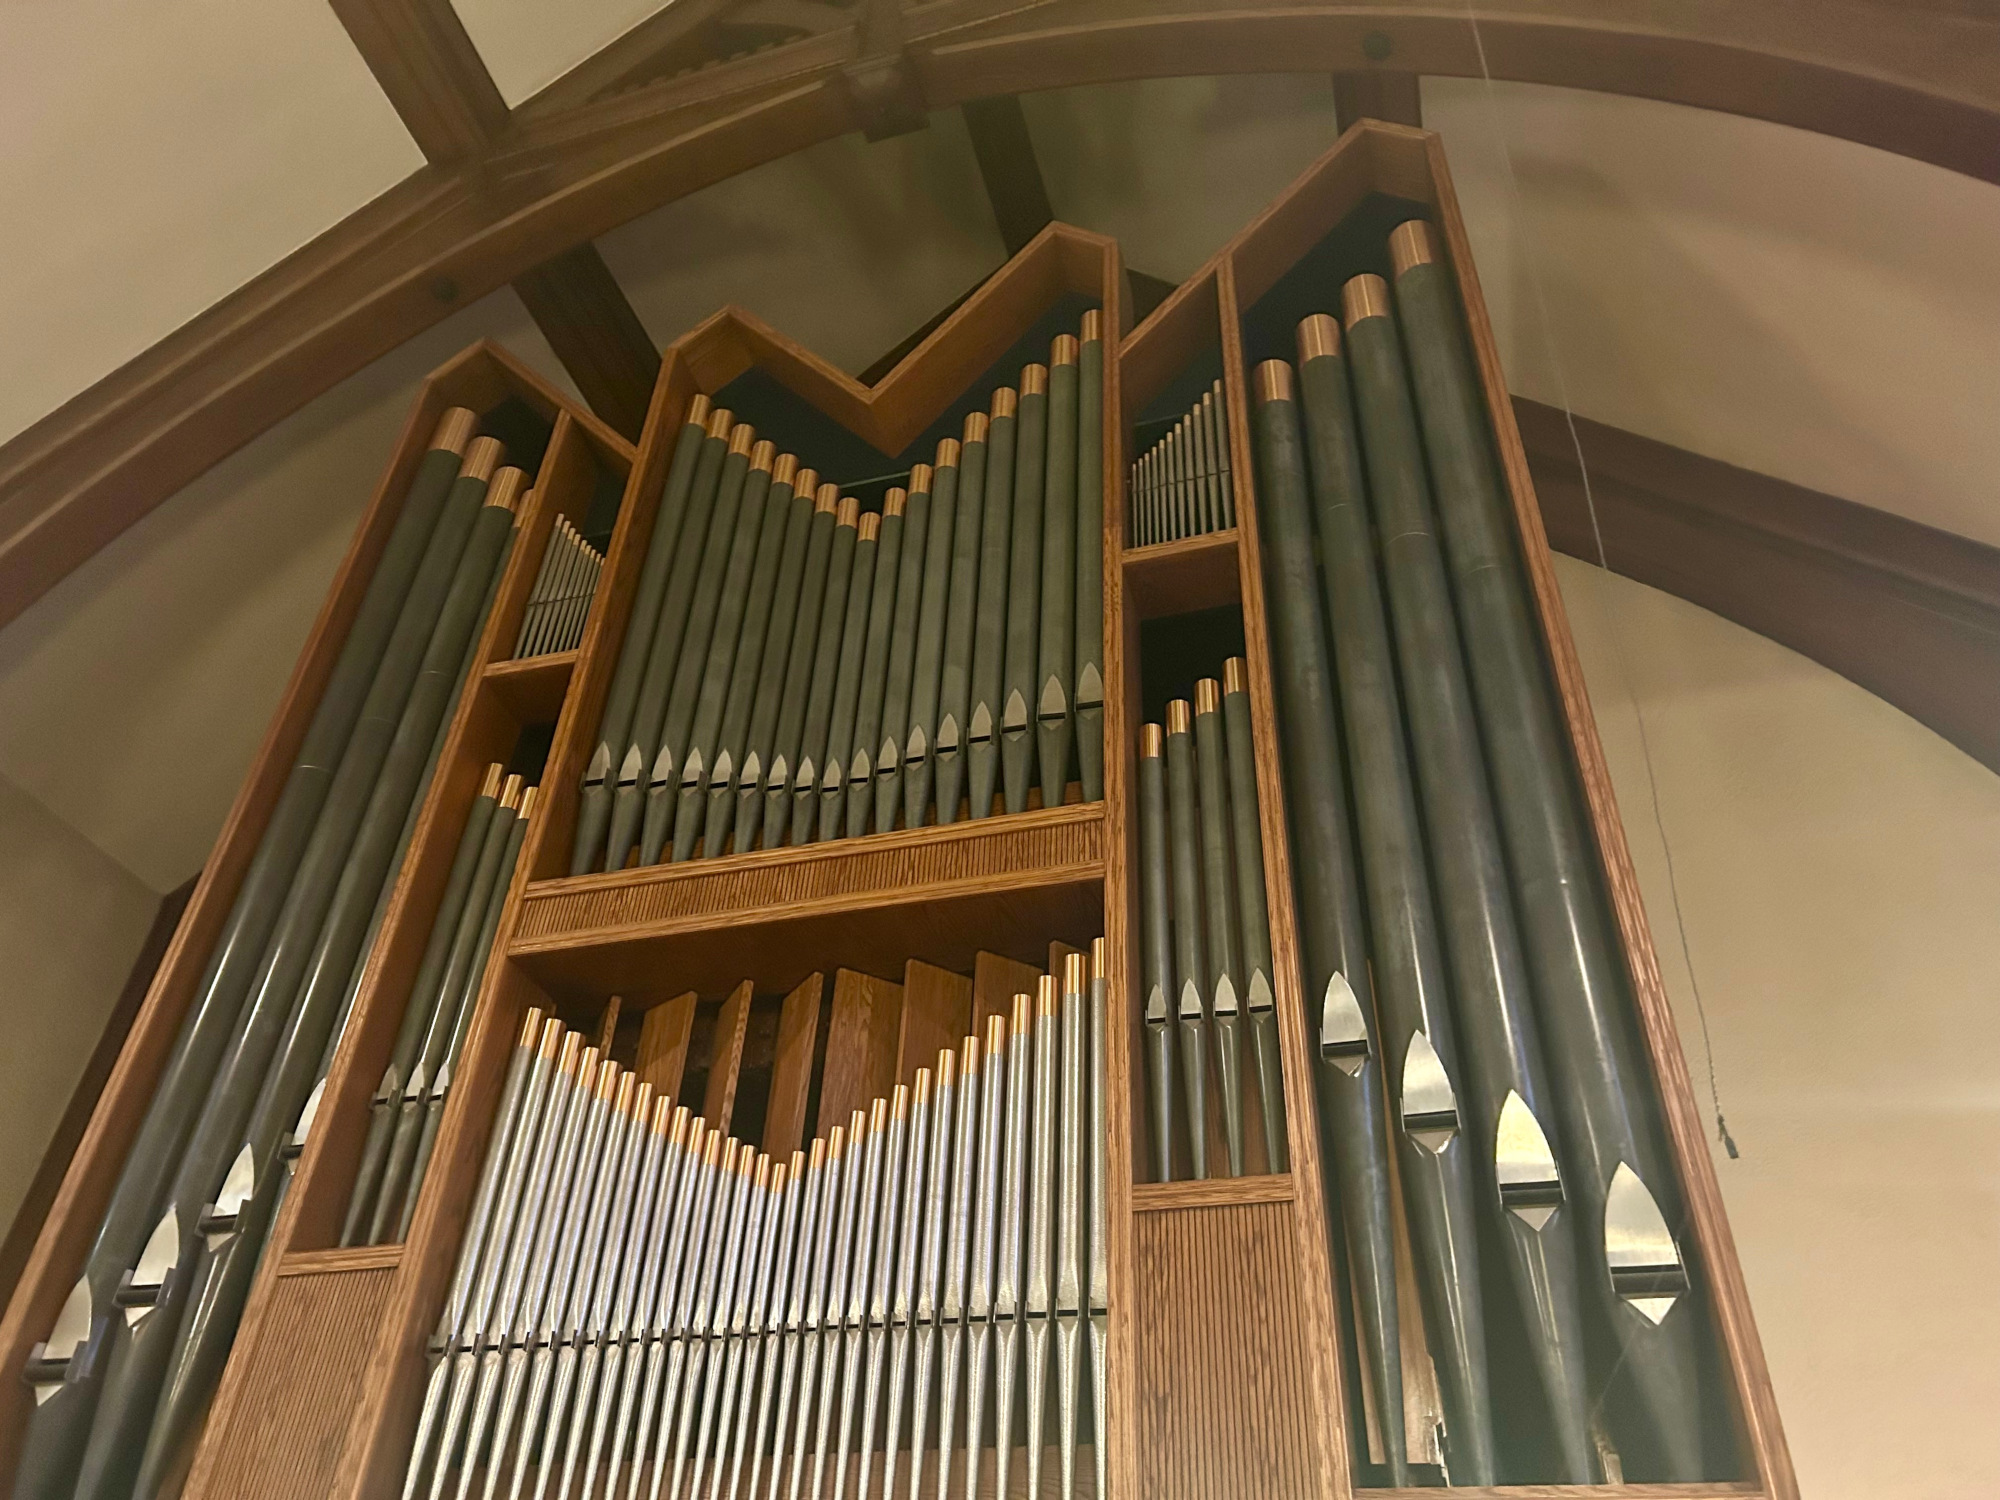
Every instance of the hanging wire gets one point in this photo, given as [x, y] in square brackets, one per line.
[1523, 235]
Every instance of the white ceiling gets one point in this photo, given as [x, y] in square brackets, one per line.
[529, 44]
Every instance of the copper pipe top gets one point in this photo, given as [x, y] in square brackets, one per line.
[1233, 679]
[552, 1037]
[1047, 996]
[806, 482]
[1099, 958]
[798, 1165]
[996, 1033]
[699, 406]
[848, 512]
[697, 1133]
[572, 1052]
[720, 421]
[1274, 381]
[769, 1177]
[1023, 1019]
[1319, 336]
[1005, 400]
[1034, 380]
[713, 1155]
[948, 450]
[857, 1127]
[923, 476]
[920, 1091]
[828, 498]
[528, 795]
[1075, 975]
[763, 456]
[482, 457]
[504, 489]
[1092, 329]
[871, 524]
[892, 503]
[899, 1102]
[1152, 741]
[490, 786]
[530, 1024]
[947, 1067]
[785, 468]
[742, 437]
[607, 1079]
[626, 1082]
[1177, 716]
[510, 793]
[454, 430]
[678, 1128]
[1207, 696]
[1063, 350]
[975, 428]
[836, 1143]
[968, 1058]
[1366, 296]
[816, 1157]
[1410, 245]
[663, 1115]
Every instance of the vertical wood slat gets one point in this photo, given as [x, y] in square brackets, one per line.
[995, 983]
[791, 1069]
[860, 1046]
[937, 1010]
[664, 1032]
[731, 1027]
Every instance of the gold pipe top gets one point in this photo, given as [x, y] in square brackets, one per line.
[699, 406]
[1047, 995]
[1233, 679]
[530, 1024]
[712, 1157]
[923, 476]
[642, 1102]
[1152, 740]
[1063, 350]
[1274, 381]
[948, 450]
[1075, 973]
[785, 468]
[806, 482]
[827, 498]
[1319, 335]
[698, 1133]
[871, 525]
[571, 1054]
[817, 1158]
[663, 1115]
[770, 1177]
[847, 512]
[1034, 380]
[836, 1143]
[1365, 296]
[763, 456]
[454, 430]
[678, 1129]
[742, 438]
[607, 1077]
[552, 1037]
[899, 1103]
[482, 457]
[1100, 958]
[720, 421]
[1207, 696]
[510, 793]
[1005, 400]
[892, 503]
[626, 1083]
[947, 1067]
[975, 427]
[504, 489]
[1092, 329]
[857, 1127]
[527, 806]
[996, 1033]
[490, 786]
[968, 1058]
[920, 1092]
[1177, 716]
[798, 1165]
[1411, 245]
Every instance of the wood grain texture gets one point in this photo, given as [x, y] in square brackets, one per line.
[1708, 1491]
[937, 1013]
[860, 1046]
[420, 54]
[590, 324]
[1224, 1399]
[791, 1070]
[534, 686]
[726, 1063]
[1377, 94]
[995, 983]
[664, 1032]
[1180, 577]
[1212, 1192]
[301, 1372]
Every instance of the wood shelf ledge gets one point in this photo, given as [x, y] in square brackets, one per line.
[1212, 1192]
[335, 1262]
[1177, 578]
[534, 686]
[1714, 1489]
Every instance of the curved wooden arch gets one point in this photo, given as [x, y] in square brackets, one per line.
[1916, 77]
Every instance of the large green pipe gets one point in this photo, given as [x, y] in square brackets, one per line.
[1260, 999]
[823, 676]
[630, 763]
[593, 815]
[781, 550]
[1610, 1113]
[61, 1418]
[306, 964]
[1513, 1106]
[1156, 950]
[795, 613]
[954, 608]
[1055, 691]
[1191, 1010]
[776, 819]
[856, 622]
[883, 606]
[901, 673]
[1425, 1078]
[1090, 557]
[1024, 597]
[751, 548]
[724, 549]
[1219, 914]
[968, 753]
[1348, 1066]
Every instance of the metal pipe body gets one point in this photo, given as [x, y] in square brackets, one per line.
[1024, 595]
[1054, 678]
[1156, 953]
[1090, 557]
[940, 698]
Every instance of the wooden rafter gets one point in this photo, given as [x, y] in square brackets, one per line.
[577, 161]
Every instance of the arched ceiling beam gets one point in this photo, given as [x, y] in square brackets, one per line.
[1908, 76]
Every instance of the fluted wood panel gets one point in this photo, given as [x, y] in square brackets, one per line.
[1222, 1381]
[299, 1377]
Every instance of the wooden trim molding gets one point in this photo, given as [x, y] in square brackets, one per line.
[1906, 611]
[604, 145]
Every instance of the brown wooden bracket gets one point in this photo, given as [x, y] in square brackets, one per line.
[1008, 166]
[1377, 94]
[584, 314]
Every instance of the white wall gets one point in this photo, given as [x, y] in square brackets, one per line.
[1838, 870]
[71, 924]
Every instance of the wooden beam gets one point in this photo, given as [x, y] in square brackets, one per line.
[1377, 94]
[1007, 165]
[420, 54]
[1920, 82]
[585, 316]
[1906, 611]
